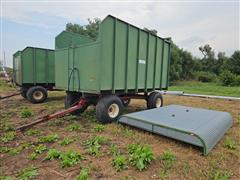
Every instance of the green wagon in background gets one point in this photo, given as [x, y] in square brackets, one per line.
[124, 62]
[33, 71]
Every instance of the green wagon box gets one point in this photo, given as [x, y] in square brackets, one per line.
[34, 72]
[122, 63]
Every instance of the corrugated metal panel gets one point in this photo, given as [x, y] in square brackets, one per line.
[123, 58]
[34, 66]
[196, 126]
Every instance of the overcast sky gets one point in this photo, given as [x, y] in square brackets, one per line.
[189, 23]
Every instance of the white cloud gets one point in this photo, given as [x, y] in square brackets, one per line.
[189, 24]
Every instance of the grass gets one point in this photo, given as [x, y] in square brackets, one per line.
[168, 158]
[8, 136]
[196, 87]
[26, 113]
[84, 174]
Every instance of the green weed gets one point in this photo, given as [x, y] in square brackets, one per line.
[99, 128]
[66, 141]
[93, 145]
[230, 144]
[33, 156]
[70, 158]
[26, 113]
[222, 175]
[71, 118]
[114, 150]
[140, 156]
[119, 162]
[168, 158]
[28, 173]
[15, 151]
[84, 174]
[6, 178]
[49, 138]
[53, 154]
[4, 149]
[8, 136]
[40, 148]
[74, 127]
[32, 132]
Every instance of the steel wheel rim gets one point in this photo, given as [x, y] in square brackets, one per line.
[37, 95]
[113, 110]
[158, 102]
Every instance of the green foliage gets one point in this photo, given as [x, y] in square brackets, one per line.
[28, 173]
[119, 162]
[93, 145]
[8, 136]
[71, 118]
[168, 159]
[205, 76]
[6, 178]
[91, 29]
[222, 175]
[84, 174]
[15, 151]
[33, 156]
[40, 148]
[26, 113]
[140, 156]
[70, 158]
[227, 78]
[49, 138]
[66, 141]
[32, 132]
[53, 154]
[230, 144]
[4, 149]
[99, 128]
[74, 127]
[114, 150]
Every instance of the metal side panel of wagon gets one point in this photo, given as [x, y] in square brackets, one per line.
[34, 72]
[122, 63]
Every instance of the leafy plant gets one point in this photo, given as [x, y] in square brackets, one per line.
[114, 150]
[49, 138]
[222, 175]
[15, 151]
[40, 148]
[53, 154]
[4, 149]
[66, 141]
[8, 136]
[230, 144]
[84, 174]
[168, 158]
[98, 128]
[28, 173]
[70, 158]
[140, 156]
[71, 118]
[33, 156]
[6, 178]
[26, 113]
[93, 145]
[119, 162]
[74, 127]
[31, 132]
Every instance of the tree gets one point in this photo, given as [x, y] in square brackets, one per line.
[233, 63]
[91, 29]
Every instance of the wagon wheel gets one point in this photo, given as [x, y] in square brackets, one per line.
[155, 100]
[37, 94]
[109, 108]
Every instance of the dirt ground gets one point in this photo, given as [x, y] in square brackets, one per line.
[189, 164]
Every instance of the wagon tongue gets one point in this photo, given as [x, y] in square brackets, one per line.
[10, 95]
[53, 116]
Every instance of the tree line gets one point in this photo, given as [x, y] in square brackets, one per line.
[183, 65]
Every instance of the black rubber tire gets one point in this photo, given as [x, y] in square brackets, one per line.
[72, 99]
[31, 91]
[24, 92]
[103, 106]
[126, 102]
[152, 100]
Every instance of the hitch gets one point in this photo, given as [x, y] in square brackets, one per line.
[53, 116]
[10, 95]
